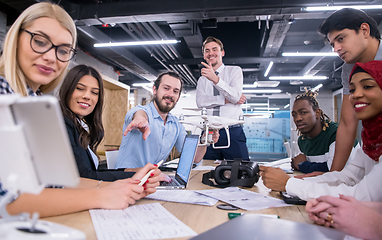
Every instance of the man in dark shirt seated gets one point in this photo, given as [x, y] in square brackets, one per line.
[317, 135]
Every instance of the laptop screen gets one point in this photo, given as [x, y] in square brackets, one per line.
[187, 157]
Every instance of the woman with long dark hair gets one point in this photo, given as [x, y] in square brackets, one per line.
[81, 99]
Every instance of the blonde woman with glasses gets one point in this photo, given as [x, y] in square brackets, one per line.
[37, 49]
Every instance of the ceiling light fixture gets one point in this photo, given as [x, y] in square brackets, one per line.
[334, 8]
[250, 69]
[135, 43]
[309, 54]
[261, 84]
[268, 69]
[317, 87]
[146, 86]
[254, 85]
[143, 84]
[298, 77]
[295, 82]
[262, 91]
[148, 76]
[286, 106]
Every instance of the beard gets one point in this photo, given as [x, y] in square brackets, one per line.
[164, 107]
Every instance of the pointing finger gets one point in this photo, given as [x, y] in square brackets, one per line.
[205, 64]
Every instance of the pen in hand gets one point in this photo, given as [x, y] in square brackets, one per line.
[144, 179]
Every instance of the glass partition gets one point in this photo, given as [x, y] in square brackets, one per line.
[267, 127]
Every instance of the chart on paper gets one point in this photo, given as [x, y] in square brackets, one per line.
[148, 221]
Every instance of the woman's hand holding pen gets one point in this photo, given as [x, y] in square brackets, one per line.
[153, 179]
[119, 194]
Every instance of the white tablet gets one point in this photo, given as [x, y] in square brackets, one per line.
[47, 139]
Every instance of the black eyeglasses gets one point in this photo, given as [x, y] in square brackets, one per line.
[41, 44]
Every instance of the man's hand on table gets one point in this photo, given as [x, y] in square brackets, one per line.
[274, 178]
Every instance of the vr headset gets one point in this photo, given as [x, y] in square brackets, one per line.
[236, 172]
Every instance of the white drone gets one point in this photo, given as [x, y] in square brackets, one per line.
[208, 124]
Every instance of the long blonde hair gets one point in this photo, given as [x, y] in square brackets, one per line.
[9, 66]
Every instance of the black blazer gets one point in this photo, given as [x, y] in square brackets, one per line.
[85, 162]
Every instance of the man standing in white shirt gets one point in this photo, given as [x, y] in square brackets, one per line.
[219, 90]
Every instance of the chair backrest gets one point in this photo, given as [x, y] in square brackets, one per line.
[287, 148]
[111, 158]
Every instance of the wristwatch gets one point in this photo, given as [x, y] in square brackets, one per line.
[300, 163]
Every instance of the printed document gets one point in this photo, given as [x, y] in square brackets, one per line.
[183, 196]
[244, 199]
[284, 164]
[147, 221]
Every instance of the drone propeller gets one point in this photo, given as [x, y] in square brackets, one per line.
[192, 109]
[191, 115]
[197, 109]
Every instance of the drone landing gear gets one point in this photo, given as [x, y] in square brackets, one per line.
[207, 140]
[228, 140]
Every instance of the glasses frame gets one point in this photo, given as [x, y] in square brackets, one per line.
[53, 46]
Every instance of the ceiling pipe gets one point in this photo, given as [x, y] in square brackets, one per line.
[145, 34]
[156, 58]
[162, 35]
[99, 36]
[183, 73]
[181, 70]
[150, 51]
[134, 28]
[187, 69]
[186, 74]
[148, 30]
[156, 37]
[166, 54]
[131, 33]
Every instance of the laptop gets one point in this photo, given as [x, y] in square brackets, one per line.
[252, 226]
[180, 180]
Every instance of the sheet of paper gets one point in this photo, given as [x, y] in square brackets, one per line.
[244, 199]
[171, 164]
[148, 221]
[278, 162]
[284, 164]
[183, 196]
[204, 168]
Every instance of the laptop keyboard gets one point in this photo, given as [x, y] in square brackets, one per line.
[172, 183]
